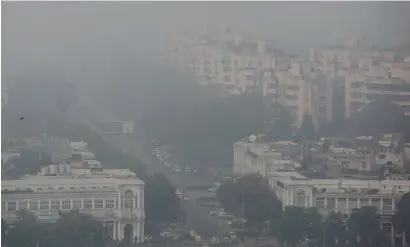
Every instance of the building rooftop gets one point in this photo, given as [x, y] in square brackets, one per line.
[77, 179]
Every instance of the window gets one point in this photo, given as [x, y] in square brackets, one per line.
[33, 205]
[66, 204]
[44, 205]
[129, 199]
[387, 205]
[23, 204]
[320, 203]
[55, 204]
[11, 205]
[109, 203]
[98, 203]
[77, 204]
[88, 204]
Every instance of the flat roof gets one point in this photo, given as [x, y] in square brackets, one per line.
[56, 181]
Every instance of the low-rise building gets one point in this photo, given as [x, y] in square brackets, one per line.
[339, 195]
[264, 157]
[112, 196]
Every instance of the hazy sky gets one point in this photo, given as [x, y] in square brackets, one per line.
[92, 33]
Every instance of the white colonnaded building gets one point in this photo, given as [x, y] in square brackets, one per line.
[112, 196]
[341, 195]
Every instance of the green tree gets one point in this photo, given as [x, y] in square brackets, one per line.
[3, 230]
[306, 133]
[334, 230]
[314, 226]
[251, 198]
[363, 225]
[26, 231]
[402, 217]
[291, 227]
[73, 229]
[30, 161]
[159, 192]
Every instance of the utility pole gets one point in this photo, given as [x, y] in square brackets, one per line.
[324, 228]
[242, 203]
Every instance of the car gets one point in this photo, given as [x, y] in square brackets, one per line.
[165, 234]
[212, 189]
[187, 169]
[148, 239]
[232, 235]
[215, 240]
[180, 196]
[176, 169]
[186, 198]
[212, 213]
[194, 170]
[225, 215]
[178, 192]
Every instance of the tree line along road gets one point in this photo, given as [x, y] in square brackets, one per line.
[197, 217]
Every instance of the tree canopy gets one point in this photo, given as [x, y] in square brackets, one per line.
[363, 224]
[71, 229]
[159, 192]
[402, 217]
[250, 198]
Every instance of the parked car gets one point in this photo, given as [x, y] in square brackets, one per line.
[166, 234]
[212, 213]
[186, 198]
[225, 215]
[215, 240]
[176, 169]
[187, 169]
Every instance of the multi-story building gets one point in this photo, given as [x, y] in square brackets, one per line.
[362, 89]
[112, 196]
[264, 157]
[340, 195]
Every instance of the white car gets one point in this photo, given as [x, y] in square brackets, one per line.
[176, 169]
[212, 213]
[225, 215]
[186, 198]
[166, 234]
[232, 235]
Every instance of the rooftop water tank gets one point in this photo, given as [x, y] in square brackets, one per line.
[62, 168]
[53, 169]
[68, 168]
[44, 170]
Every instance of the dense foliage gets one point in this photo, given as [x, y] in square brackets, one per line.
[30, 161]
[402, 217]
[71, 229]
[159, 192]
[249, 197]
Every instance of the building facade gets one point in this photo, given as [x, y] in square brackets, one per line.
[262, 158]
[112, 196]
[340, 195]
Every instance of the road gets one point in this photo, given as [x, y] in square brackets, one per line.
[197, 217]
